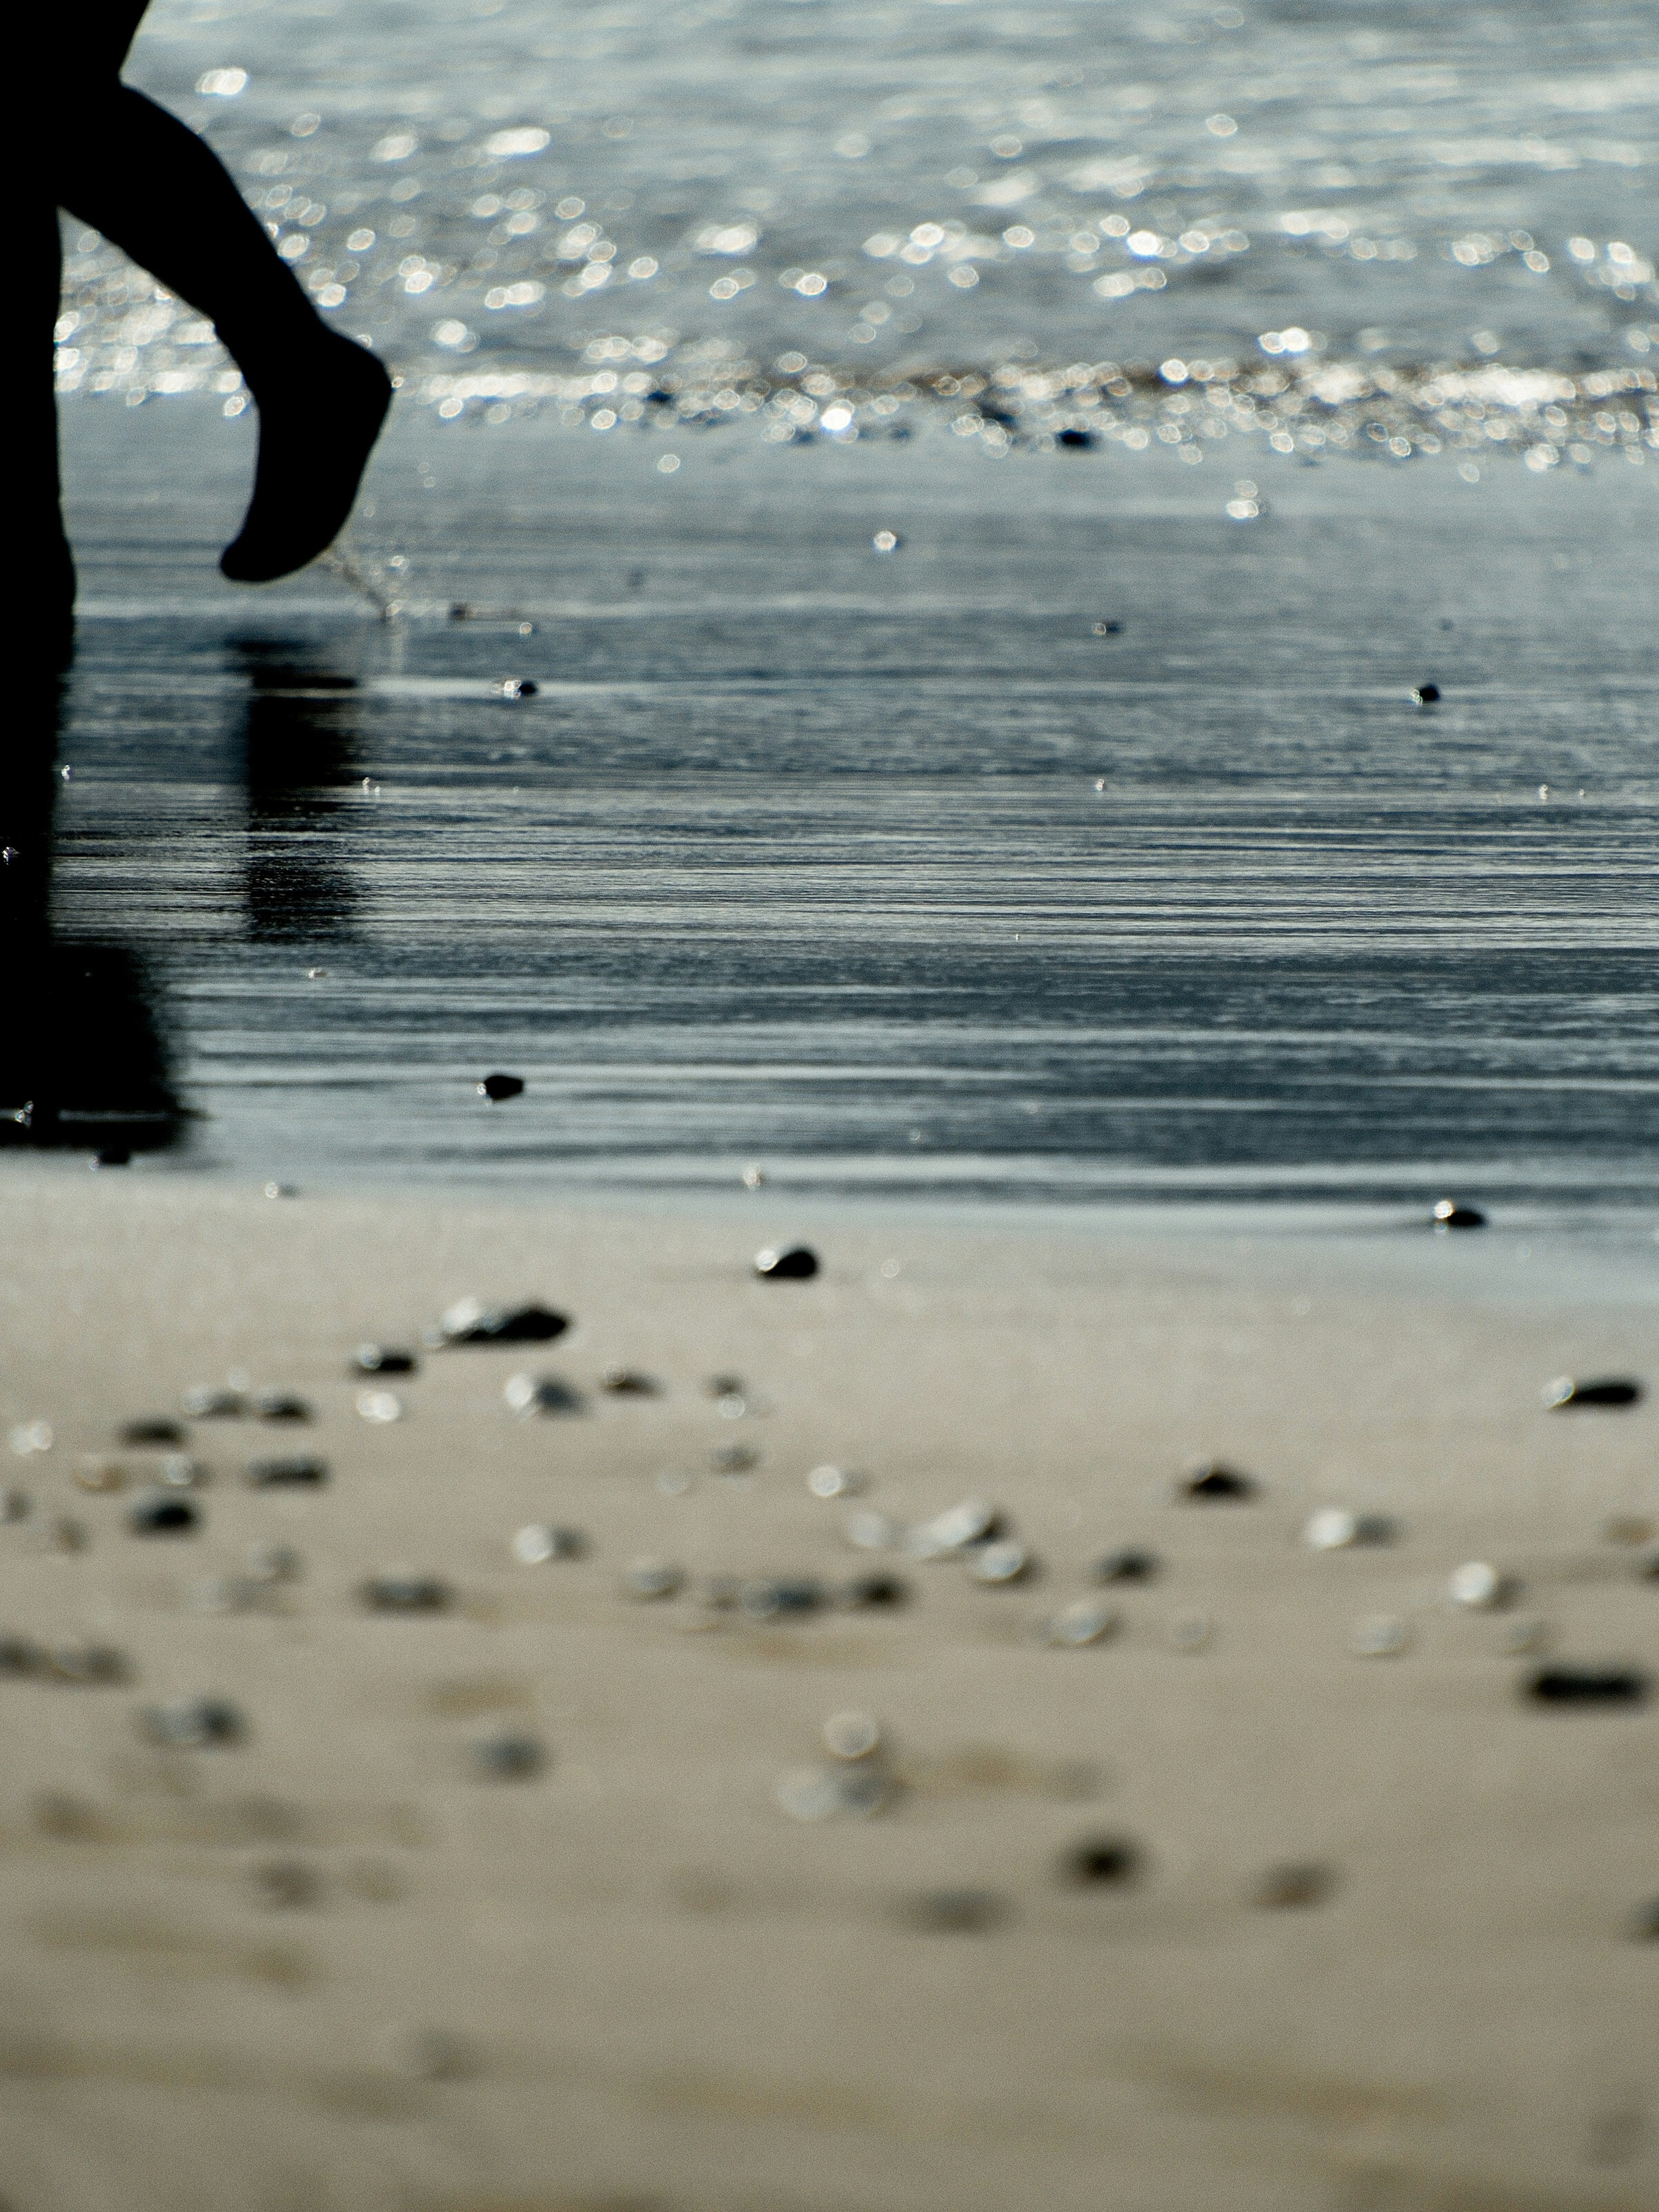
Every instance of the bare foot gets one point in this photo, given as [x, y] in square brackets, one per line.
[315, 438]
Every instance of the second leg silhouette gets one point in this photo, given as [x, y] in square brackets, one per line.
[156, 191]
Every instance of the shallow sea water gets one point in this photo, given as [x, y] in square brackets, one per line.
[901, 873]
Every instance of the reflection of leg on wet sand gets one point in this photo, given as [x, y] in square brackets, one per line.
[300, 740]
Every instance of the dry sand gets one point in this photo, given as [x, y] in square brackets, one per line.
[633, 1980]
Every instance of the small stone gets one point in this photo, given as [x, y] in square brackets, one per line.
[163, 1516]
[1566, 1392]
[873, 1532]
[1332, 1528]
[973, 1522]
[62, 1533]
[733, 1459]
[150, 1431]
[400, 1590]
[1587, 1685]
[379, 1406]
[178, 1471]
[774, 1597]
[786, 1263]
[732, 1408]
[531, 1394]
[628, 1382]
[516, 687]
[498, 1087]
[1080, 441]
[1209, 1483]
[102, 1476]
[999, 1564]
[654, 1578]
[816, 1793]
[1100, 1861]
[30, 1436]
[753, 1178]
[1087, 1620]
[1108, 628]
[20, 1659]
[1190, 1632]
[299, 1472]
[227, 1594]
[112, 1156]
[192, 1723]
[1290, 1886]
[723, 1386]
[88, 1665]
[281, 1190]
[1426, 694]
[957, 1911]
[835, 1482]
[212, 1401]
[1628, 1528]
[1448, 1214]
[280, 1406]
[383, 1359]
[471, 1321]
[1378, 1636]
[285, 1885]
[541, 1541]
[1476, 1584]
[509, 1758]
[1129, 1565]
[871, 1593]
[15, 1504]
[852, 1734]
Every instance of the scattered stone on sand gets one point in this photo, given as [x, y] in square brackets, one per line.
[280, 1406]
[161, 1515]
[509, 1758]
[1629, 1529]
[1566, 1392]
[541, 1541]
[228, 1593]
[1131, 1565]
[950, 1534]
[469, 1321]
[628, 1382]
[101, 1476]
[1081, 441]
[62, 1532]
[298, 1472]
[1332, 1528]
[15, 1504]
[1108, 628]
[88, 1665]
[1448, 1214]
[786, 1263]
[30, 1436]
[192, 1723]
[215, 1401]
[1293, 1884]
[1100, 1861]
[869, 1531]
[1587, 1685]
[150, 1431]
[779, 1597]
[1477, 1585]
[499, 1086]
[653, 1578]
[1378, 1636]
[531, 1394]
[957, 1911]
[1085, 1621]
[274, 1563]
[516, 687]
[733, 1459]
[836, 1482]
[1426, 694]
[285, 1885]
[178, 1471]
[723, 1385]
[753, 1178]
[1209, 1483]
[1648, 1571]
[852, 1734]
[20, 1659]
[1190, 1632]
[378, 1407]
[383, 1359]
[826, 1793]
[399, 1590]
[999, 1563]
[871, 1593]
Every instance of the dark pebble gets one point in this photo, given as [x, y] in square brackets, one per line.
[1645, 1922]
[1608, 1391]
[472, 1322]
[1648, 1570]
[509, 1758]
[280, 1406]
[501, 1086]
[723, 1386]
[1128, 1566]
[19, 1658]
[405, 1592]
[88, 1665]
[1426, 694]
[382, 1359]
[957, 1911]
[868, 1593]
[1587, 1685]
[769, 1598]
[628, 1382]
[786, 1263]
[516, 687]
[1101, 1860]
[1284, 1885]
[112, 1156]
[138, 1434]
[163, 1517]
[1217, 1485]
[1108, 628]
[1081, 441]
[299, 1472]
[531, 1394]
[1448, 1214]
[209, 1403]
[286, 1885]
[197, 1723]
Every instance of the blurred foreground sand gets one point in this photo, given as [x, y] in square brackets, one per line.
[633, 1983]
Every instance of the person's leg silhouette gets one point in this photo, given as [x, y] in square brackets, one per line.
[156, 190]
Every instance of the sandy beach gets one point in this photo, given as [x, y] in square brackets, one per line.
[556, 1897]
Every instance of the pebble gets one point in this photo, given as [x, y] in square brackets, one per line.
[31, 1437]
[654, 1578]
[817, 1793]
[999, 1563]
[1628, 1528]
[1589, 1685]
[158, 1430]
[498, 1087]
[1130, 1565]
[112, 1155]
[530, 1395]
[836, 1482]
[852, 1734]
[285, 1885]
[299, 1472]
[88, 1665]
[1426, 694]
[973, 1522]
[541, 1541]
[1645, 1922]
[399, 1590]
[1448, 1214]
[723, 1386]
[192, 1723]
[1476, 1584]
[62, 1533]
[280, 1406]
[1334, 1529]
[383, 1359]
[379, 1406]
[772, 1598]
[870, 1531]
[1100, 1860]
[1378, 1636]
[1283, 1885]
[786, 1263]
[103, 1476]
[628, 1382]
[1189, 1632]
[213, 1401]
[1080, 441]
[867, 1593]
[1108, 628]
[15, 1504]
[178, 1471]
[471, 1321]
[1565, 1391]
[1085, 1621]
[516, 687]
[509, 1758]
[20, 1659]
[733, 1459]
[1212, 1484]
[161, 1515]
[957, 1911]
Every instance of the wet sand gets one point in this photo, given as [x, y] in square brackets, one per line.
[334, 1964]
